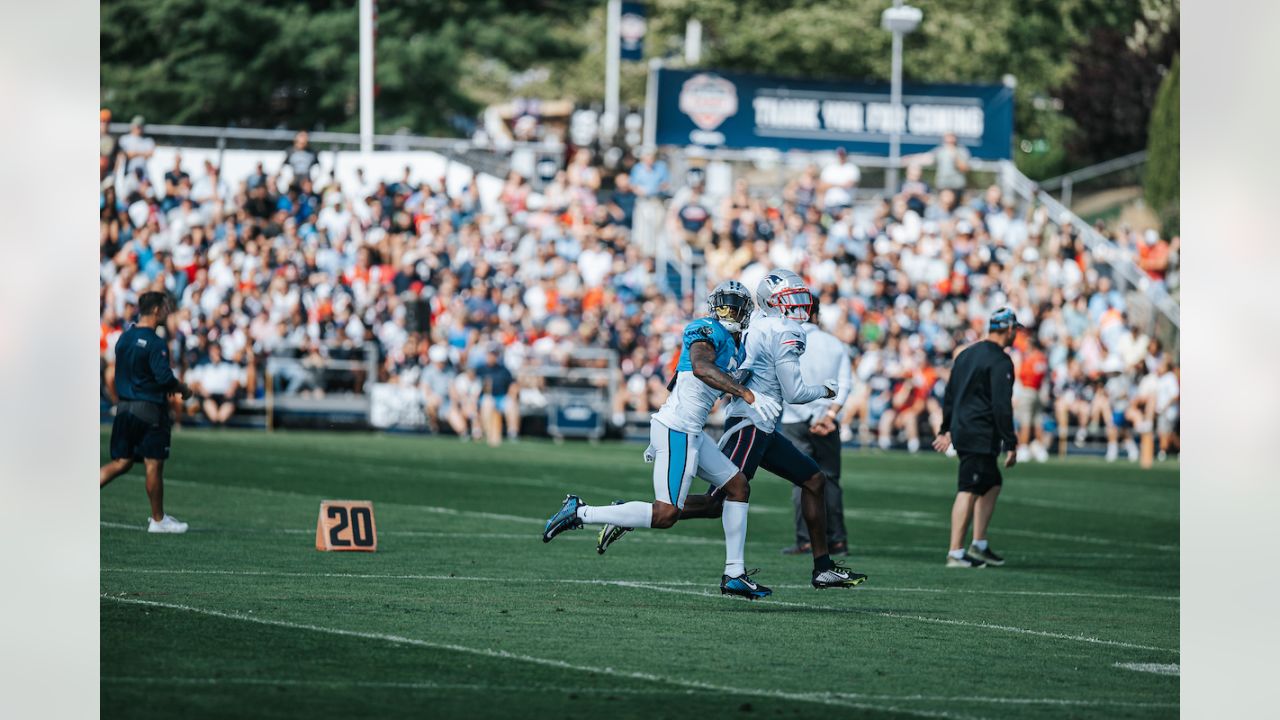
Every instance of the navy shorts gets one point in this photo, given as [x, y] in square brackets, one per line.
[136, 439]
[979, 473]
[750, 448]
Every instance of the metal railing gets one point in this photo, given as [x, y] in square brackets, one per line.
[1126, 271]
[1065, 183]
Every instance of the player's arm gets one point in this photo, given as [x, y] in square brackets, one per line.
[844, 386]
[168, 382]
[702, 356]
[1002, 400]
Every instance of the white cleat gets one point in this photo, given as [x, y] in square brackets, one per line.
[169, 524]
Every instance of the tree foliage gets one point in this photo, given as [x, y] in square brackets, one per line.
[278, 62]
[1163, 153]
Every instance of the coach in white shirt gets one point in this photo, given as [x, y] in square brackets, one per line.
[815, 430]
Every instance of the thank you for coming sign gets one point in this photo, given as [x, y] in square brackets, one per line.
[731, 110]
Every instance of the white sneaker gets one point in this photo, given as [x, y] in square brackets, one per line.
[846, 434]
[1039, 453]
[1081, 436]
[169, 524]
[1023, 455]
[1131, 449]
[1162, 456]
[1113, 452]
[913, 445]
[885, 443]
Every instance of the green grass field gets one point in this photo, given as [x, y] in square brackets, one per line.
[464, 612]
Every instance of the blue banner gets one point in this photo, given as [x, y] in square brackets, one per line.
[731, 110]
[631, 31]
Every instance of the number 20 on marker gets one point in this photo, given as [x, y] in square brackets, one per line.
[346, 525]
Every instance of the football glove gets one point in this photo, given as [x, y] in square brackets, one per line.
[766, 407]
[650, 454]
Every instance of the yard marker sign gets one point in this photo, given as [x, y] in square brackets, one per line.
[346, 525]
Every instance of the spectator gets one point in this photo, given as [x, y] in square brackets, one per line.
[951, 161]
[649, 177]
[497, 399]
[137, 149]
[1153, 255]
[301, 158]
[216, 384]
[839, 183]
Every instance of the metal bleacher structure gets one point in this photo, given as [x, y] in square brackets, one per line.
[576, 400]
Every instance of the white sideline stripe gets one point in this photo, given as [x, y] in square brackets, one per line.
[645, 585]
[1157, 668]
[911, 518]
[427, 685]
[662, 583]
[820, 698]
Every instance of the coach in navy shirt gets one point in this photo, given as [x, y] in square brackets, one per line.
[144, 381]
[977, 418]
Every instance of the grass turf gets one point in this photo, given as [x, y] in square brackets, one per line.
[464, 612]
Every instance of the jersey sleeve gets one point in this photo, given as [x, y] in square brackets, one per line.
[791, 343]
[700, 331]
[159, 361]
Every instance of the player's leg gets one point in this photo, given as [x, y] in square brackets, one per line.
[798, 434]
[826, 452]
[969, 485]
[155, 450]
[731, 484]
[671, 474]
[887, 419]
[113, 470]
[983, 508]
[783, 459]
[961, 512]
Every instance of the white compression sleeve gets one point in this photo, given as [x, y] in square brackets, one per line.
[633, 514]
[734, 519]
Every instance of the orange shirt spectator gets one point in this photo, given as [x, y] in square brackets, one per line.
[1034, 369]
[1153, 255]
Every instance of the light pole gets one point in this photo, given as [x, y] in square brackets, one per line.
[900, 20]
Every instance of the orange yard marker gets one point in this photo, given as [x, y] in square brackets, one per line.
[346, 525]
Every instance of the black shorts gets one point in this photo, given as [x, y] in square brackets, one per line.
[979, 473]
[136, 439]
[750, 448]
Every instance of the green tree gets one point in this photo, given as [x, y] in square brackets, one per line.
[1163, 154]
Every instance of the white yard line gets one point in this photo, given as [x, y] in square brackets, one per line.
[643, 585]
[481, 687]
[925, 619]
[662, 583]
[819, 698]
[1157, 668]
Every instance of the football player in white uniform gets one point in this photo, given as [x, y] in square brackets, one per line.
[679, 449]
[751, 440]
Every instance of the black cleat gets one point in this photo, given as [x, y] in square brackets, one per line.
[837, 577]
[743, 586]
[987, 556]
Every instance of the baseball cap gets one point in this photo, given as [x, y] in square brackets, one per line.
[1003, 319]
[137, 120]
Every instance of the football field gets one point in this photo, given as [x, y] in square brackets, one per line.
[464, 612]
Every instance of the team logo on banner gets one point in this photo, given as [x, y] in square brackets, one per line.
[708, 100]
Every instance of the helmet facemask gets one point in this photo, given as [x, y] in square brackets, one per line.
[793, 303]
[731, 309]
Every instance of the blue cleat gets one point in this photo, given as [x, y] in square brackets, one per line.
[566, 518]
[743, 586]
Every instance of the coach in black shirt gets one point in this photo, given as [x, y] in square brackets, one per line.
[144, 381]
[977, 418]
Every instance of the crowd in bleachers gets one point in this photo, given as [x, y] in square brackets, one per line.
[289, 262]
